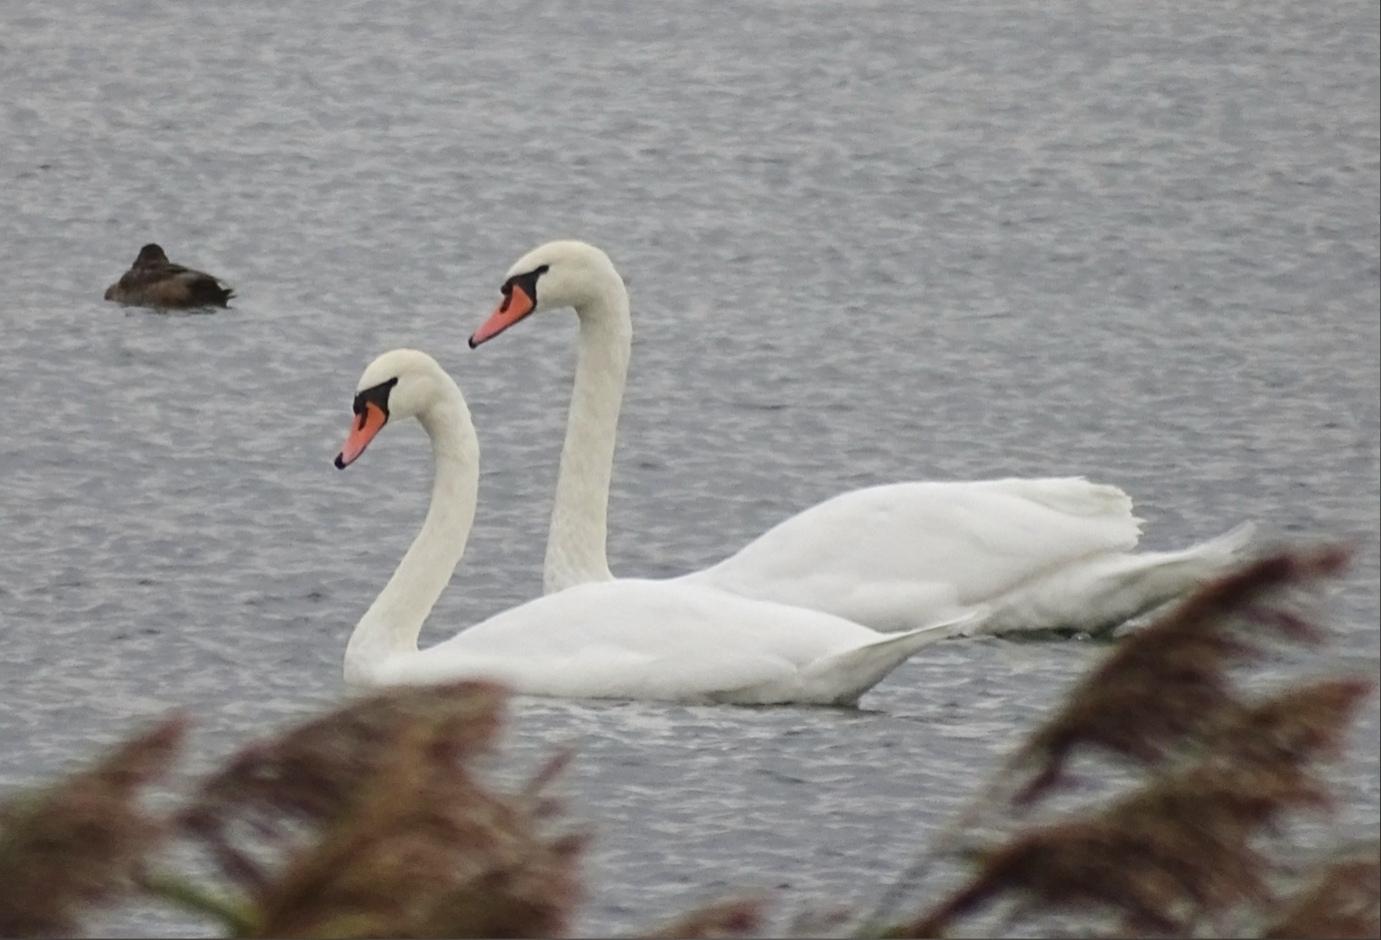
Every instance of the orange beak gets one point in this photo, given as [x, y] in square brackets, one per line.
[515, 305]
[367, 424]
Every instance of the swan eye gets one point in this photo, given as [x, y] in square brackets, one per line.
[528, 282]
[374, 395]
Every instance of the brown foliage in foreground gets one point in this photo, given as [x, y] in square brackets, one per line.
[80, 841]
[1181, 851]
[371, 820]
[735, 918]
[365, 822]
[1168, 684]
[1342, 902]
[403, 841]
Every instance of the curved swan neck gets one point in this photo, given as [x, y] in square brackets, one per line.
[391, 625]
[576, 543]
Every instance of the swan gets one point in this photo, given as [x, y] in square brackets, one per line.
[1040, 554]
[154, 281]
[633, 639]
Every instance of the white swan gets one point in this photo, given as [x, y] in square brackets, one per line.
[1052, 553]
[619, 639]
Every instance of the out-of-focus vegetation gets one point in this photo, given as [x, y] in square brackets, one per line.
[1195, 843]
[372, 821]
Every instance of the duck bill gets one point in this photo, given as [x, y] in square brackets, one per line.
[368, 423]
[516, 305]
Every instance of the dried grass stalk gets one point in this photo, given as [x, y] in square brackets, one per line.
[1287, 731]
[81, 841]
[380, 829]
[738, 917]
[1167, 685]
[313, 773]
[1179, 848]
[1161, 857]
[1182, 848]
[1343, 901]
[427, 853]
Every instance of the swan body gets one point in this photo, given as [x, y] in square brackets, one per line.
[1051, 553]
[636, 639]
[640, 639]
[1036, 554]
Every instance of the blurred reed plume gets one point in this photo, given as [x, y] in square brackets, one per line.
[1182, 852]
[1167, 686]
[373, 820]
[367, 822]
[1342, 900]
[80, 841]
[741, 917]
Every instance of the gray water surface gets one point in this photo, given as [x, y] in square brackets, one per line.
[865, 242]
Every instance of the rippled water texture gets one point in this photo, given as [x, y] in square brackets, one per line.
[865, 242]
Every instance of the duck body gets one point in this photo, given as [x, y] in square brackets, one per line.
[154, 281]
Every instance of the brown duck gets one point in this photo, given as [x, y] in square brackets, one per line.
[154, 281]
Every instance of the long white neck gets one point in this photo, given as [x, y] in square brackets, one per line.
[393, 622]
[576, 551]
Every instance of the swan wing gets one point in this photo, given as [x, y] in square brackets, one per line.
[645, 639]
[926, 549]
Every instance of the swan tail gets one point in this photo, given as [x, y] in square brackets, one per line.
[1226, 549]
[1076, 496]
[1103, 593]
[842, 678]
[1169, 575]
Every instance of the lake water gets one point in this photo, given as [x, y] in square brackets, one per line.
[865, 242]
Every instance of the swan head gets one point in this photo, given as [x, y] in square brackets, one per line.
[553, 276]
[400, 384]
